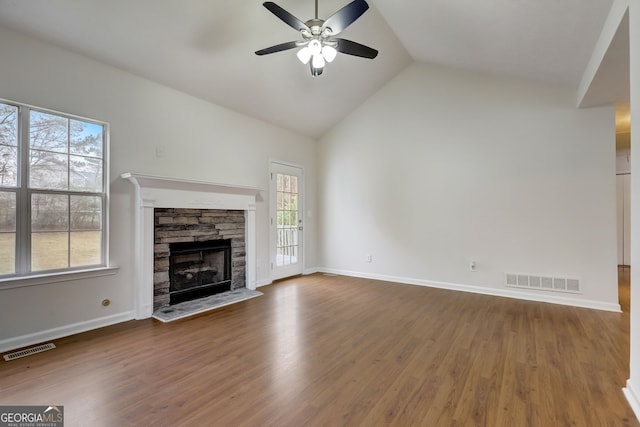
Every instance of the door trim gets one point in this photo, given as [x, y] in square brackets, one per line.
[272, 208]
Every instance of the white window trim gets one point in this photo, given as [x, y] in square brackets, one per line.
[64, 276]
[40, 278]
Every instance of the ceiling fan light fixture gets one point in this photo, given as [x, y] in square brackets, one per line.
[318, 45]
[304, 55]
[315, 47]
[318, 61]
[329, 53]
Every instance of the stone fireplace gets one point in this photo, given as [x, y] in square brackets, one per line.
[196, 208]
[197, 253]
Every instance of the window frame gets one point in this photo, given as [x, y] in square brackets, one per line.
[23, 275]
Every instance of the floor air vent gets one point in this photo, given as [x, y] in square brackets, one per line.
[29, 351]
[545, 283]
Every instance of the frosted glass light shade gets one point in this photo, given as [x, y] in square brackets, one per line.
[329, 53]
[318, 61]
[304, 55]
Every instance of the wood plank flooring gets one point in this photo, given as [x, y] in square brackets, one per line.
[327, 350]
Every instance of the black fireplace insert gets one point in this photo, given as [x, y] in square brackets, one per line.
[199, 269]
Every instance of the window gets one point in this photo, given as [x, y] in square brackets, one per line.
[52, 191]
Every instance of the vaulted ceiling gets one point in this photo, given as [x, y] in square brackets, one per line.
[206, 48]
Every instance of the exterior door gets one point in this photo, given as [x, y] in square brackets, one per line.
[286, 220]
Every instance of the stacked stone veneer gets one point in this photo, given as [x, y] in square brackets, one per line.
[196, 225]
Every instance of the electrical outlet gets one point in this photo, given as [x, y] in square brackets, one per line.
[472, 266]
[369, 258]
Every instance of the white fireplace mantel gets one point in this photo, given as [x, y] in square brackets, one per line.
[161, 192]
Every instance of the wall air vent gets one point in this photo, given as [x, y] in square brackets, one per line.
[29, 351]
[544, 283]
[573, 285]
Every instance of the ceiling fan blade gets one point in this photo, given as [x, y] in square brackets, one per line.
[355, 49]
[345, 16]
[277, 48]
[285, 16]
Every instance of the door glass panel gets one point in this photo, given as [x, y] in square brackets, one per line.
[287, 219]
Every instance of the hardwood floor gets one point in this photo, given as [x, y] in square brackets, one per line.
[334, 351]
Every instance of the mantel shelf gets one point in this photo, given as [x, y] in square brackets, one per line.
[152, 181]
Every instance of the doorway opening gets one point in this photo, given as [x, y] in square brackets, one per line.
[623, 199]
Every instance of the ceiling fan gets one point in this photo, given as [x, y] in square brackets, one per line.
[319, 45]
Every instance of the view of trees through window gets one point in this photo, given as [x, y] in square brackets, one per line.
[287, 219]
[8, 178]
[52, 203]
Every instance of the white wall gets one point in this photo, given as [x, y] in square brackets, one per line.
[202, 141]
[632, 390]
[442, 167]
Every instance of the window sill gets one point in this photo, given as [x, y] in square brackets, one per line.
[66, 276]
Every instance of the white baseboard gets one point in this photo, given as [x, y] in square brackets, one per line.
[265, 282]
[632, 398]
[506, 293]
[63, 331]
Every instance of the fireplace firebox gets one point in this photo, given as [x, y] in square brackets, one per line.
[199, 269]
